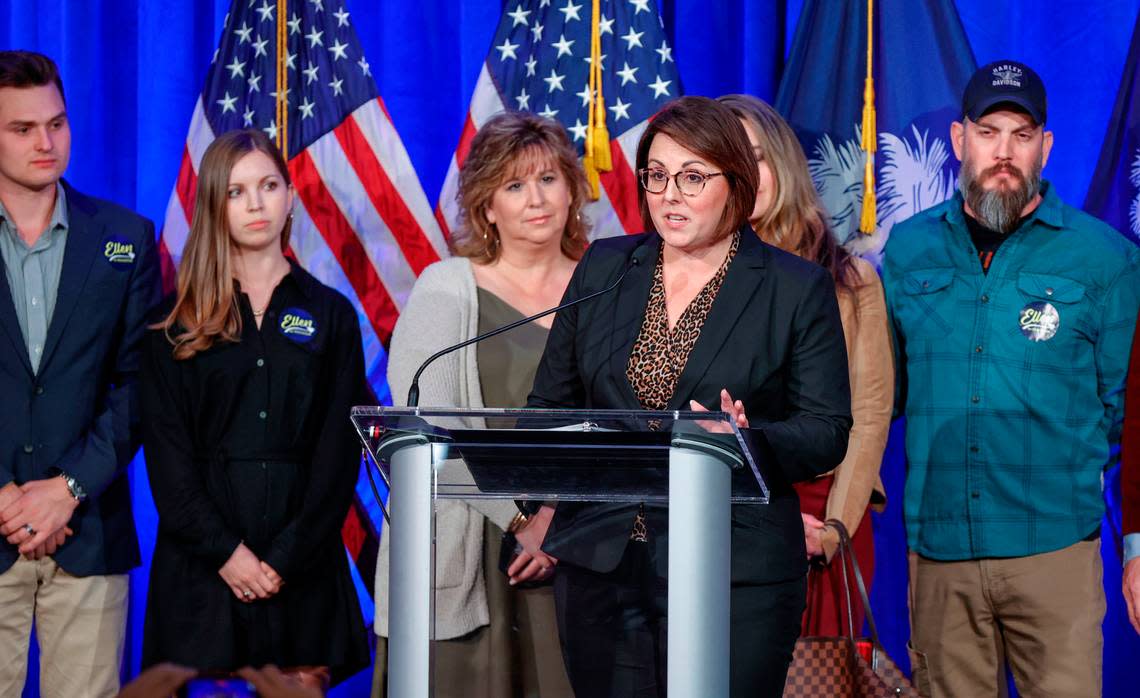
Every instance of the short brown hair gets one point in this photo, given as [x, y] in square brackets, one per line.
[501, 145]
[712, 131]
[28, 69]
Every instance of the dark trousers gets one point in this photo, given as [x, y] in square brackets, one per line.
[613, 630]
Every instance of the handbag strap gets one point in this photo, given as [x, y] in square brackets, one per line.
[847, 553]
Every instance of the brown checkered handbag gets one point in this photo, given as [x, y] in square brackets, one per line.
[846, 667]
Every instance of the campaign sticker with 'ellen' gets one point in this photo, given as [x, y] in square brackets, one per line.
[1039, 321]
[298, 325]
[119, 251]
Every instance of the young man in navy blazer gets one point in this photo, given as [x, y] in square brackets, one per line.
[80, 276]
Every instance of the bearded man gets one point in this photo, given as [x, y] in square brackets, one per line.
[1012, 315]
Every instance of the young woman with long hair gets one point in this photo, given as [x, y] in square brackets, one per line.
[247, 382]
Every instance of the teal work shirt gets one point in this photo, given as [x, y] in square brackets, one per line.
[33, 273]
[1012, 381]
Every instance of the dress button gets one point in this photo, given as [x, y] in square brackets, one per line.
[978, 349]
[261, 414]
[260, 362]
[39, 390]
[985, 298]
[974, 449]
[975, 495]
[975, 399]
[1049, 291]
[28, 448]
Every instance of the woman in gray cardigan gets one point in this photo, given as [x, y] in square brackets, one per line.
[521, 190]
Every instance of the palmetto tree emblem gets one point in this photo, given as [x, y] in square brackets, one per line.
[912, 176]
[1134, 207]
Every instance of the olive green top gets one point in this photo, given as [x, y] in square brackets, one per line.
[507, 362]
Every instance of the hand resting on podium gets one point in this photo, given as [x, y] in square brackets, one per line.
[735, 408]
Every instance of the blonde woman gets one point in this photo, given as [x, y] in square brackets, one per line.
[788, 214]
[246, 389]
[521, 190]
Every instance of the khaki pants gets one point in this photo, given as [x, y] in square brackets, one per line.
[80, 624]
[1040, 613]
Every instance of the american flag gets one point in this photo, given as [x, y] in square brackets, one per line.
[362, 223]
[539, 61]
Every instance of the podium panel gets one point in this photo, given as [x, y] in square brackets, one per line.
[696, 463]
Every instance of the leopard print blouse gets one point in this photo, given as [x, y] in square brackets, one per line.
[659, 355]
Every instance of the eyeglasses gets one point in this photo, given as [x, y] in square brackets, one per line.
[689, 182]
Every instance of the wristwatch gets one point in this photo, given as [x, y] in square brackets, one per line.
[74, 487]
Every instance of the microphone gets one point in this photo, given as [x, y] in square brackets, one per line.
[414, 390]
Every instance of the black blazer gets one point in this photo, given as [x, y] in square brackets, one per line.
[773, 338]
[79, 413]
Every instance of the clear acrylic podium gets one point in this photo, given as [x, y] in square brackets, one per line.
[697, 463]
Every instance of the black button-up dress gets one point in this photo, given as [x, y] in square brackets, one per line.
[251, 442]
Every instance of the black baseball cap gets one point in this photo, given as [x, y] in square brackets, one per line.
[1004, 82]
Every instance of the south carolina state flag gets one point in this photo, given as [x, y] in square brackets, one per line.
[1114, 193]
[921, 62]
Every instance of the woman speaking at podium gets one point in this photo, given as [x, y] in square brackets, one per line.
[709, 316]
[521, 190]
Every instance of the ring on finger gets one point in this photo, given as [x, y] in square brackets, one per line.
[246, 593]
[31, 531]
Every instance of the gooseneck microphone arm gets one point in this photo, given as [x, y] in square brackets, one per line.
[414, 390]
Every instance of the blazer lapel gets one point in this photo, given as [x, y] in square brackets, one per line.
[629, 313]
[83, 235]
[744, 276]
[10, 322]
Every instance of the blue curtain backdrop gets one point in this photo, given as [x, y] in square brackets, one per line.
[133, 71]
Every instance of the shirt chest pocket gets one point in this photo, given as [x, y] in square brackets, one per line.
[1046, 305]
[924, 306]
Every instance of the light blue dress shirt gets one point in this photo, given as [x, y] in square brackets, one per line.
[33, 274]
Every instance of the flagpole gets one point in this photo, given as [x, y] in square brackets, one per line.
[867, 221]
[282, 106]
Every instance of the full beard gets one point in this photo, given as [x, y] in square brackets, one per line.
[998, 209]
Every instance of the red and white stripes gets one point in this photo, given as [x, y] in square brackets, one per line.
[362, 223]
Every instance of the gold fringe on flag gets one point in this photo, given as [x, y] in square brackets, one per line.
[597, 156]
[282, 81]
[867, 221]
